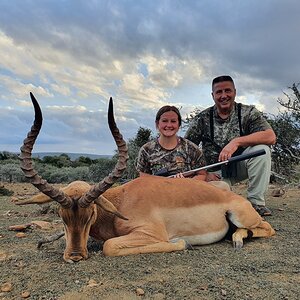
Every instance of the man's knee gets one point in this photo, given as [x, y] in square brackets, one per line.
[265, 156]
[261, 163]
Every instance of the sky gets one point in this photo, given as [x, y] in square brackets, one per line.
[74, 55]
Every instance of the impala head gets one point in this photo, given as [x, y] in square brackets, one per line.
[78, 200]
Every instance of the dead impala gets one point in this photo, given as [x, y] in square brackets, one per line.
[148, 214]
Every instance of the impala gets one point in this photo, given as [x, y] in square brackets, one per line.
[146, 215]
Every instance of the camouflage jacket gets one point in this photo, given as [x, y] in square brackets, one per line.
[184, 157]
[223, 130]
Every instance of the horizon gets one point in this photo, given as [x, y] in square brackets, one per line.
[57, 153]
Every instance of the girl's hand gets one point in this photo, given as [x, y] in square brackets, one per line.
[178, 175]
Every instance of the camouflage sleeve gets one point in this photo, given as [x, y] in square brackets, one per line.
[142, 163]
[194, 132]
[255, 121]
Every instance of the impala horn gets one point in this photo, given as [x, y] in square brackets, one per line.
[99, 188]
[26, 161]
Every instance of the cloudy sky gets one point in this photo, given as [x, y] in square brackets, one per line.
[73, 55]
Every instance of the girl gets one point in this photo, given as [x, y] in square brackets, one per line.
[170, 152]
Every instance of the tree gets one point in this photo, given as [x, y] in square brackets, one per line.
[60, 161]
[7, 155]
[189, 119]
[292, 102]
[11, 172]
[82, 161]
[143, 136]
[286, 152]
[100, 169]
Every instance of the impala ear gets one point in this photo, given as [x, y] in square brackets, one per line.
[108, 206]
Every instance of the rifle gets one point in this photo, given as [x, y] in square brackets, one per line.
[164, 172]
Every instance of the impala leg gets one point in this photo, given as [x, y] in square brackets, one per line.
[238, 236]
[264, 229]
[36, 199]
[135, 243]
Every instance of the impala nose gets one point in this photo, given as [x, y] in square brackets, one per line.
[76, 256]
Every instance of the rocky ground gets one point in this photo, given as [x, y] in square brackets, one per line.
[263, 269]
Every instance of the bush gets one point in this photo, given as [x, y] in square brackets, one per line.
[5, 192]
[11, 172]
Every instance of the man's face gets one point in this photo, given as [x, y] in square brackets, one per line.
[224, 94]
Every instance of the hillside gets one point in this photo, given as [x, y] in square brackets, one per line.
[72, 156]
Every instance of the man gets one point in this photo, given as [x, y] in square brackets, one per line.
[229, 128]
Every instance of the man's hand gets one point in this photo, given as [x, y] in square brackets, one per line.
[228, 150]
[265, 137]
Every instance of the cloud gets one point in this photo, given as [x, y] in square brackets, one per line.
[74, 55]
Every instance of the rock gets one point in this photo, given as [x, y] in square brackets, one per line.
[92, 283]
[278, 192]
[21, 235]
[140, 292]
[3, 255]
[21, 227]
[159, 296]
[25, 294]
[6, 287]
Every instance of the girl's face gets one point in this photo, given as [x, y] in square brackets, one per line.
[168, 124]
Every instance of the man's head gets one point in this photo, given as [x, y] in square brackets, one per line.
[222, 79]
[223, 93]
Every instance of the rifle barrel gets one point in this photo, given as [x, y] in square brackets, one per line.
[230, 160]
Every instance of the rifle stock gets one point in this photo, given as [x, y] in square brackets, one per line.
[165, 172]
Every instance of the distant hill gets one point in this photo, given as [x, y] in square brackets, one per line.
[72, 156]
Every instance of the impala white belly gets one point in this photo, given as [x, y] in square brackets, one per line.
[204, 239]
[197, 225]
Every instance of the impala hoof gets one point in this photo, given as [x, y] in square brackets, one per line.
[184, 245]
[189, 246]
[237, 245]
[17, 201]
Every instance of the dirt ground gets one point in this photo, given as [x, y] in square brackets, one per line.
[263, 269]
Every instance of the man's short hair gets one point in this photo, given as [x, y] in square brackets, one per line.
[221, 79]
